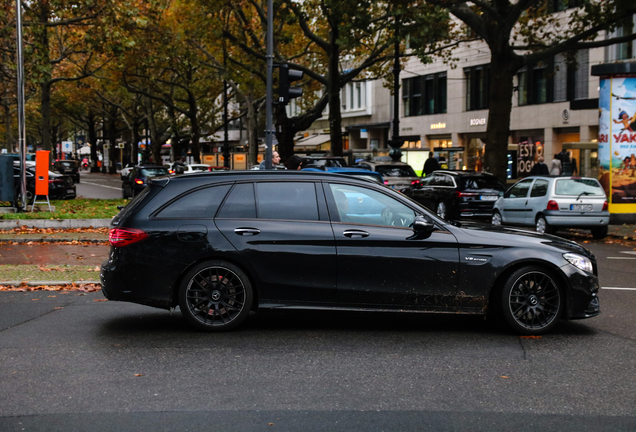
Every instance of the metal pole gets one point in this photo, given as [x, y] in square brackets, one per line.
[226, 141]
[21, 116]
[269, 123]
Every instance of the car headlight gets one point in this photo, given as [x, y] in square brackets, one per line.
[579, 261]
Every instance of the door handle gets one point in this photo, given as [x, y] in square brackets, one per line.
[247, 231]
[351, 233]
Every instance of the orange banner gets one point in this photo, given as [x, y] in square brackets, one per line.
[42, 172]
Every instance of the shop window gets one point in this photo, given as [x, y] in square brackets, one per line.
[477, 87]
[424, 95]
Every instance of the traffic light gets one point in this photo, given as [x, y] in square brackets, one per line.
[286, 76]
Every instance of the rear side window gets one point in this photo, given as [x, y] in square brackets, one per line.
[483, 183]
[539, 188]
[200, 204]
[520, 190]
[240, 204]
[589, 187]
[289, 200]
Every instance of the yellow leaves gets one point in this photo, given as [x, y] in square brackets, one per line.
[530, 337]
[84, 288]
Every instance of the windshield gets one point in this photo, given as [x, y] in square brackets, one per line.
[153, 172]
[589, 187]
[396, 171]
[200, 168]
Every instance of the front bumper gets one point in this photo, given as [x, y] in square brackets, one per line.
[583, 299]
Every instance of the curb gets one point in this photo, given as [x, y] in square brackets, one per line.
[55, 223]
[46, 240]
[40, 283]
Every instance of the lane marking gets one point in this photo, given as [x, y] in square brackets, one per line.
[622, 258]
[109, 187]
[616, 288]
[629, 252]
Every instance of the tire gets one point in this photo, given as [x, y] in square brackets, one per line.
[441, 210]
[215, 296]
[531, 302]
[542, 226]
[599, 232]
[496, 218]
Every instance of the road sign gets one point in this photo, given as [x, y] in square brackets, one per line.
[120, 145]
[67, 146]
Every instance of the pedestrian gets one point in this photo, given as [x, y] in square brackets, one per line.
[555, 166]
[430, 165]
[540, 168]
[567, 166]
[294, 163]
[275, 161]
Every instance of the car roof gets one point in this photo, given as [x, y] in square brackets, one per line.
[272, 174]
[465, 173]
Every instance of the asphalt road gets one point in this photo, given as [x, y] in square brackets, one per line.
[97, 185]
[73, 362]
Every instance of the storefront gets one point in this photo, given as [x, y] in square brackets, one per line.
[449, 154]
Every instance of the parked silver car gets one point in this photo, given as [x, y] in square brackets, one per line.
[550, 203]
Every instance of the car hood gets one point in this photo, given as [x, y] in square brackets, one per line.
[510, 236]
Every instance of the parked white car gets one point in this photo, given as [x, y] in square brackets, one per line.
[126, 170]
[550, 203]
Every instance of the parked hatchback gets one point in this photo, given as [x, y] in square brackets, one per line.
[552, 203]
[220, 245]
[455, 194]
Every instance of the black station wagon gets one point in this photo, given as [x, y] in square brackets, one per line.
[220, 245]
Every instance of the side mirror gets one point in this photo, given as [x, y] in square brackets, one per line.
[422, 226]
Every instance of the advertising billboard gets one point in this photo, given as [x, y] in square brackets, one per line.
[617, 141]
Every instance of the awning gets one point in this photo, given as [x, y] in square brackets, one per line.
[313, 142]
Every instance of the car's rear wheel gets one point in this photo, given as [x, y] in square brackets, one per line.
[543, 227]
[441, 210]
[531, 301]
[599, 232]
[215, 296]
[496, 218]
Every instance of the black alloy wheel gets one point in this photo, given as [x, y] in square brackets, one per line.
[531, 301]
[215, 296]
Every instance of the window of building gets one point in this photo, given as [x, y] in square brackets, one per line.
[477, 87]
[424, 94]
[536, 83]
[561, 5]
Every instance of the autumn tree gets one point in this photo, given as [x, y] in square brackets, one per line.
[521, 33]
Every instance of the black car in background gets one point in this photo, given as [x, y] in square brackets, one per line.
[137, 179]
[455, 194]
[322, 162]
[61, 187]
[220, 245]
[69, 167]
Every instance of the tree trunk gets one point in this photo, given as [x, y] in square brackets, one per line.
[92, 139]
[502, 71]
[8, 142]
[335, 116]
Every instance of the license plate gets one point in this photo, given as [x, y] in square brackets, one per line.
[70, 191]
[581, 207]
[489, 197]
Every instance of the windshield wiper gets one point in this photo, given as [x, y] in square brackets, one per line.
[583, 193]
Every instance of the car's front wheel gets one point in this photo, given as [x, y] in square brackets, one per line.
[543, 227]
[441, 210]
[531, 301]
[496, 218]
[215, 296]
[599, 232]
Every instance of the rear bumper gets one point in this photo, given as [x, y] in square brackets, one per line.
[557, 218]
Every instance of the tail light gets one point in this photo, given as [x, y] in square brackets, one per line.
[415, 182]
[552, 205]
[139, 181]
[171, 171]
[386, 182]
[120, 237]
[459, 194]
[605, 207]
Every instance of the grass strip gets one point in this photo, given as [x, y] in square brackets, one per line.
[33, 272]
[81, 208]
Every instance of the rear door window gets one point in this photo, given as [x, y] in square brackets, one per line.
[240, 204]
[289, 200]
[200, 204]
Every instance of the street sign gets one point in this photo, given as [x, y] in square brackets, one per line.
[120, 145]
[67, 146]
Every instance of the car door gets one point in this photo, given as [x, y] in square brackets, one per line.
[282, 231]
[380, 260]
[537, 201]
[513, 207]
